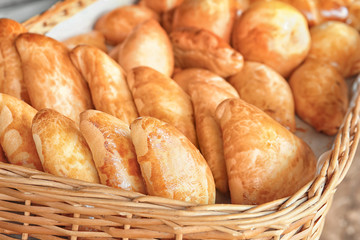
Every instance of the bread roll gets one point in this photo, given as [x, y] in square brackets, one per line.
[321, 97]
[170, 164]
[310, 9]
[62, 149]
[337, 44]
[3, 158]
[353, 18]
[11, 74]
[92, 38]
[199, 48]
[263, 87]
[162, 5]
[213, 15]
[147, 45]
[264, 160]
[117, 24]
[207, 91]
[107, 82]
[112, 150]
[158, 96]
[51, 79]
[273, 33]
[15, 132]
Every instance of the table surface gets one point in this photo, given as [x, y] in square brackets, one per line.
[343, 220]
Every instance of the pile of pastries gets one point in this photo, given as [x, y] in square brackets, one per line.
[181, 98]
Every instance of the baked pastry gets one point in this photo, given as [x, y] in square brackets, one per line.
[212, 15]
[117, 24]
[147, 45]
[93, 38]
[263, 87]
[171, 165]
[281, 41]
[11, 75]
[62, 149]
[2, 156]
[199, 48]
[51, 79]
[353, 18]
[15, 132]
[310, 9]
[321, 97]
[113, 152]
[337, 44]
[107, 82]
[264, 160]
[158, 96]
[162, 5]
[207, 91]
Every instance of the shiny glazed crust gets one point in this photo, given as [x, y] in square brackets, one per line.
[92, 38]
[47, 65]
[207, 91]
[199, 48]
[171, 165]
[107, 82]
[158, 96]
[263, 87]
[321, 95]
[112, 150]
[264, 160]
[11, 75]
[147, 45]
[15, 132]
[62, 149]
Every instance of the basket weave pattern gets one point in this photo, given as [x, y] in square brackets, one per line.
[42, 206]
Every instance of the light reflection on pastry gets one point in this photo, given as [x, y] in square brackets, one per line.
[62, 149]
[51, 79]
[274, 33]
[213, 15]
[147, 45]
[337, 44]
[117, 24]
[199, 48]
[15, 132]
[171, 165]
[113, 152]
[162, 5]
[264, 160]
[11, 74]
[320, 94]
[107, 82]
[158, 96]
[263, 87]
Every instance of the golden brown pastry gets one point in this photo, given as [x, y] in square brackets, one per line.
[337, 44]
[114, 52]
[11, 75]
[199, 48]
[51, 79]
[207, 91]
[263, 87]
[147, 45]
[166, 20]
[117, 24]
[112, 149]
[62, 149]
[333, 9]
[280, 40]
[171, 165]
[158, 96]
[15, 132]
[107, 82]
[310, 9]
[213, 15]
[353, 18]
[264, 160]
[92, 38]
[162, 5]
[320, 94]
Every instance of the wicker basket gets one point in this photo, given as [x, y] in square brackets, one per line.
[36, 205]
